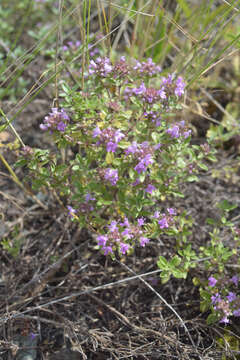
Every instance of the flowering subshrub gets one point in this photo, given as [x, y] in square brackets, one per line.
[128, 156]
[131, 153]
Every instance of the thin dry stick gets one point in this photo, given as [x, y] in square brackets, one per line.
[148, 28]
[122, 28]
[134, 34]
[68, 297]
[18, 182]
[125, 321]
[219, 61]
[12, 127]
[233, 7]
[218, 105]
[35, 88]
[162, 299]
[199, 113]
[108, 37]
[60, 7]
[109, 26]
[100, 22]
[79, 293]
[133, 11]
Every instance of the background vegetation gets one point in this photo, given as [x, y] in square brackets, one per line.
[60, 296]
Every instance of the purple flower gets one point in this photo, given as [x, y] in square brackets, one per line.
[111, 146]
[125, 222]
[107, 250]
[126, 233]
[163, 223]
[136, 182]
[132, 149]
[231, 296]
[96, 132]
[111, 175]
[61, 126]
[174, 131]
[143, 241]
[147, 68]
[224, 320]
[139, 91]
[162, 93]
[156, 215]
[124, 248]
[43, 127]
[150, 188]
[89, 197]
[187, 133]
[118, 136]
[140, 167]
[148, 159]
[157, 146]
[113, 226]
[109, 137]
[215, 298]
[234, 279]
[102, 240]
[71, 211]
[236, 312]
[212, 281]
[168, 80]
[141, 221]
[56, 120]
[101, 67]
[171, 211]
[180, 85]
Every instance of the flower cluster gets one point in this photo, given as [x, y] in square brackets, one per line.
[153, 116]
[109, 175]
[72, 45]
[147, 68]
[172, 87]
[125, 172]
[120, 234]
[85, 206]
[71, 211]
[165, 220]
[225, 303]
[101, 67]
[149, 95]
[56, 120]
[179, 129]
[109, 137]
[121, 68]
[143, 153]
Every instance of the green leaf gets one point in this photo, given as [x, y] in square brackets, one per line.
[175, 261]
[203, 166]
[192, 178]
[75, 167]
[162, 263]
[205, 295]
[212, 318]
[204, 306]
[184, 6]
[131, 173]
[226, 206]
[179, 274]
[181, 163]
[109, 158]
[211, 221]
[165, 276]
